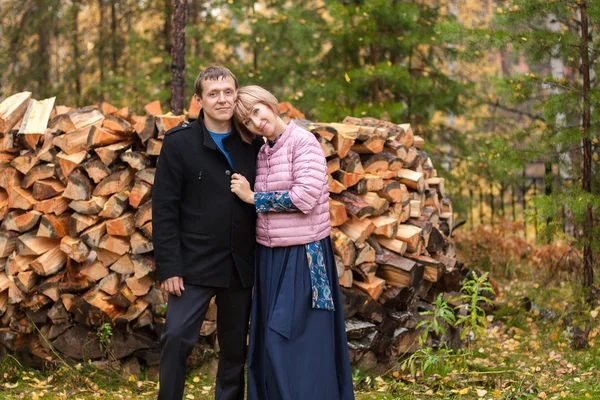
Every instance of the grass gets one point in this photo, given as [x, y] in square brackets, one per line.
[522, 356]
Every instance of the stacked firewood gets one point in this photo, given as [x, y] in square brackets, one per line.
[76, 235]
[391, 220]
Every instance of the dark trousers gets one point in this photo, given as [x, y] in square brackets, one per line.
[185, 315]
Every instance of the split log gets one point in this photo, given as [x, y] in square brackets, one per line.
[37, 173]
[80, 222]
[380, 205]
[153, 147]
[75, 141]
[153, 108]
[433, 269]
[123, 265]
[327, 147]
[365, 254]
[95, 271]
[146, 175]
[24, 163]
[393, 191]
[352, 164]
[26, 281]
[136, 160]
[116, 205]
[354, 204]
[374, 163]
[335, 186]
[12, 110]
[75, 248]
[110, 283]
[50, 262]
[373, 289]
[142, 265]
[76, 119]
[98, 137]
[47, 188]
[167, 122]
[121, 226]
[144, 214]
[140, 244]
[146, 129]
[35, 121]
[410, 235]
[385, 225]
[372, 145]
[94, 234]
[79, 187]
[333, 164]
[412, 179]
[346, 178]
[342, 144]
[110, 153]
[118, 125]
[56, 205]
[140, 193]
[115, 244]
[29, 244]
[89, 207]
[139, 287]
[53, 226]
[357, 230]
[397, 246]
[21, 221]
[20, 198]
[9, 178]
[343, 246]
[114, 183]
[398, 271]
[96, 169]
[337, 213]
[147, 230]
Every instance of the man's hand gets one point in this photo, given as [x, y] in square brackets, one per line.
[241, 187]
[173, 285]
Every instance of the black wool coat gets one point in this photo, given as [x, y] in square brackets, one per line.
[200, 229]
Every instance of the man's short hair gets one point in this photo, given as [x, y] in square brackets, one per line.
[213, 73]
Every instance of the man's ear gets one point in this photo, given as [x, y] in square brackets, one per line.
[198, 100]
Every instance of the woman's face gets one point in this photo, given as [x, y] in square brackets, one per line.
[261, 121]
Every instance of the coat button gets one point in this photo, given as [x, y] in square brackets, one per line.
[227, 172]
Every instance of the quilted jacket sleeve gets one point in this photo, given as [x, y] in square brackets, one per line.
[309, 172]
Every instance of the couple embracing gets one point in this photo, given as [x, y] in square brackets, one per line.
[240, 211]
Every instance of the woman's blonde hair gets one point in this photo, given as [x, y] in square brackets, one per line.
[248, 96]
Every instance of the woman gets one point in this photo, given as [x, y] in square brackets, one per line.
[298, 348]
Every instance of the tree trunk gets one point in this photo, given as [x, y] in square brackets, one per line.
[480, 205]
[178, 57]
[492, 208]
[524, 190]
[513, 200]
[101, 45]
[113, 35]
[43, 61]
[194, 13]
[471, 207]
[168, 27]
[76, 55]
[588, 257]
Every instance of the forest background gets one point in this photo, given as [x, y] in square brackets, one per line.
[504, 92]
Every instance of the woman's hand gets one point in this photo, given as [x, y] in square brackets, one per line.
[241, 187]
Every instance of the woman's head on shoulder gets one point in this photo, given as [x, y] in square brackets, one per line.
[256, 111]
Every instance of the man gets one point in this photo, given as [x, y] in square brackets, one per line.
[204, 237]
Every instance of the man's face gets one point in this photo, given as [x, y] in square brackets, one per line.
[217, 99]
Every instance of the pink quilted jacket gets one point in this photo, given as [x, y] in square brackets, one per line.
[296, 164]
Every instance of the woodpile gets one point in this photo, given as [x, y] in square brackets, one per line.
[76, 235]
[391, 220]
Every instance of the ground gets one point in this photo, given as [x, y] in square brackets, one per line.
[523, 355]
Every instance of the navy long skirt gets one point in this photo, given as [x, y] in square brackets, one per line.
[296, 352]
